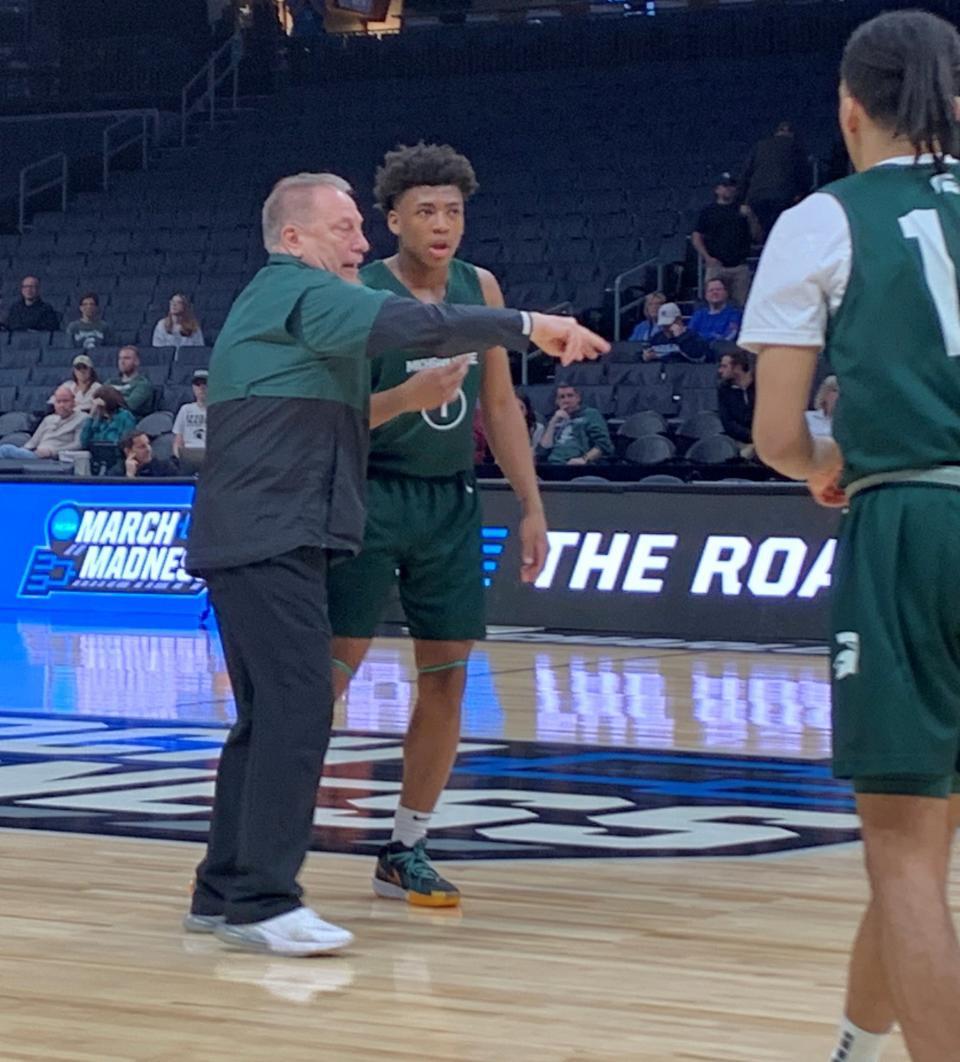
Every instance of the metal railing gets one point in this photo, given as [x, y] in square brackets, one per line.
[619, 309]
[141, 135]
[28, 192]
[224, 63]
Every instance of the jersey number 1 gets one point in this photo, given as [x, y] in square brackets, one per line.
[939, 272]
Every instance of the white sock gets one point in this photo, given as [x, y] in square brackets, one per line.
[410, 826]
[858, 1045]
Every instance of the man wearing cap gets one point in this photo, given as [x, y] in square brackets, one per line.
[280, 496]
[674, 341]
[59, 431]
[724, 236]
[190, 427]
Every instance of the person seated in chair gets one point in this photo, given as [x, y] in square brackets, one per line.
[107, 424]
[90, 330]
[136, 389]
[575, 434]
[674, 341]
[737, 398]
[30, 313]
[57, 432]
[138, 459]
[647, 327]
[719, 320]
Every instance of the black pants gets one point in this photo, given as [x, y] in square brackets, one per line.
[276, 638]
[767, 212]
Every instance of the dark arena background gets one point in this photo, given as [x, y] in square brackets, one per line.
[655, 860]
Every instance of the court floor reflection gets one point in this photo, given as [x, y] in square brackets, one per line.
[671, 698]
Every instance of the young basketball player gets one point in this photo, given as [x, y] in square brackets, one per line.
[867, 270]
[423, 519]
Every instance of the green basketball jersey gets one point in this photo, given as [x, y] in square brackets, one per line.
[894, 341]
[434, 442]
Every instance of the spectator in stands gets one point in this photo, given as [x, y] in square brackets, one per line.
[820, 418]
[84, 384]
[190, 426]
[719, 320]
[136, 389]
[30, 313]
[646, 328]
[180, 328]
[535, 427]
[737, 398]
[90, 329]
[674, 341]
[777, 175]
[723, 238]
[57, 432]
[138, 459]
[575, 434]
[108, 423]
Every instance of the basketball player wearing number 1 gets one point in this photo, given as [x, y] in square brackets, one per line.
[868, 270]
[423, 508]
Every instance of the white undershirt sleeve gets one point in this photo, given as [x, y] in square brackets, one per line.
[802, 277]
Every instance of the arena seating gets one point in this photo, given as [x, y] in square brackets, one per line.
[583, 173]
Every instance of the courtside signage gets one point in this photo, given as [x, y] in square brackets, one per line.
[87, 548]
[727, 564]
[124, 549]
[741, 565]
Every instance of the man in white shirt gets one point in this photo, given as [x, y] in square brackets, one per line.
[190, 427]
[57, 432]
[867, 270]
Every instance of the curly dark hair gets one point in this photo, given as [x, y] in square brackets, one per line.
[429, 164]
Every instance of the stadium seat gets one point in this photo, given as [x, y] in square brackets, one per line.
[155, 424]
[650, 450]
[648, 422]
[14, 421]
[713, 450]
[701, 425]
[28, 341]
[162, 446]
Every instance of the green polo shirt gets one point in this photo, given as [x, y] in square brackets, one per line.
[287, 434]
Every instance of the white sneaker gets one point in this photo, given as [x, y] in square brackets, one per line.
[196, 923]
[298, 932]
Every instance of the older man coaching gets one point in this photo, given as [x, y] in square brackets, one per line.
[282, 491]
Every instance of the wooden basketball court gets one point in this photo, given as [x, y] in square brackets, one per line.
[730, 949]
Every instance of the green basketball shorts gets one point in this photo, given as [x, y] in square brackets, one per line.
[424, 537]
[895, 641]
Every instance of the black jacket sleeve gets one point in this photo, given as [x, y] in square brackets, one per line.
[736, 413]
[50, 320]
[406, 324]
[694, 347]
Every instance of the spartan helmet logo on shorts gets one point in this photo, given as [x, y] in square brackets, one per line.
[847, 660]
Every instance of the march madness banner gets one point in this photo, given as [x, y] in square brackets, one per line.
[744, 563]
